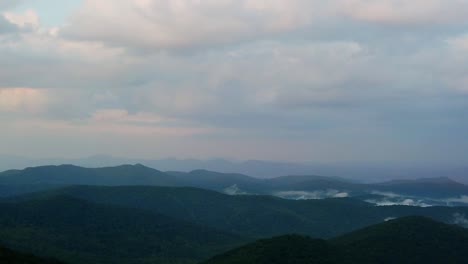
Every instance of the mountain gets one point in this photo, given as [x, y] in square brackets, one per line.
[251, 215]
[73, 175]
[406, 240]
[293, 249]
[426, 187]
[219, 181]
[423, 192]
[9, 256]
[415, 240]
[78, 231]
[261, 169]
[19, 189]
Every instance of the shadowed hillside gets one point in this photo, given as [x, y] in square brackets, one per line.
[252, 216]
[414, 240]
[78, 231]
[8, 256]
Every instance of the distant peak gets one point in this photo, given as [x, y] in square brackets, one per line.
[436, 180]
[439, 179]
[53, 166]
[200, 171]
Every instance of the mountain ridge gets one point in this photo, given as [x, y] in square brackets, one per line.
[415, 240]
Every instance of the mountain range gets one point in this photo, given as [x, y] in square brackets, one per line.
[139, 215]
[367, 172]
[77, 231]
[411, 240]
[420, 192]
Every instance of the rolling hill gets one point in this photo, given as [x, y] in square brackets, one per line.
[415, 240]
[9, 256]
[78, 231]
[73, 175]
[251, 215]
[435, 191]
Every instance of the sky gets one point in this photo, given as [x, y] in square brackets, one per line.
[294, 80]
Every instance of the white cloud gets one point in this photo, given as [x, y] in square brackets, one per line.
[5, 5]
[461, 199]
[155, 24]
[405, 202]
[26, 20]
[387, 194]
[6, 26]
[460, 219]
[311, 195]
[406, 13]
[23, 100]
[169, 24]
[305, 70]
[122, 116]
[457, 46]
[234, 190]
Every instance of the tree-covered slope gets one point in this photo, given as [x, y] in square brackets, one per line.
[78, 231]
[406, 240]
[8, 256]
[293, 187]
[293, 249]
[252, 216]
[415, 240]
[72, 175]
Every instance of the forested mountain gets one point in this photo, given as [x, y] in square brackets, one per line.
[134, 214]
[423, 192]
[70, 175]
[78, 231]
[251, 215]
[8, 256]
[411, 240]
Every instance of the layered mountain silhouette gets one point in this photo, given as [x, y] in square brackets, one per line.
[249, 215]
[137, 215]
[442, 191]
[415, 240]
[78, 231]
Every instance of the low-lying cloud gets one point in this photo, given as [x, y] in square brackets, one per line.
[460, 219]
[234, 190]
[391, 198]
[311, 195]
[405, 202]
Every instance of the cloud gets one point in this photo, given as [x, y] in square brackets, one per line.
[407, 13]
[461, 199]
[186, 24]
[234, 190]
[5, 5]
[314, 195]
[26, 20]
[405, 202]
[460, 219]
[123, 122]
[151, 24]
[391, 199]
[387, 194]
[322, 79]
[122, 116]
[6, 26]
[23, 100]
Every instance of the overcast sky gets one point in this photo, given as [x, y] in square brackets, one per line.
[294, 80]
